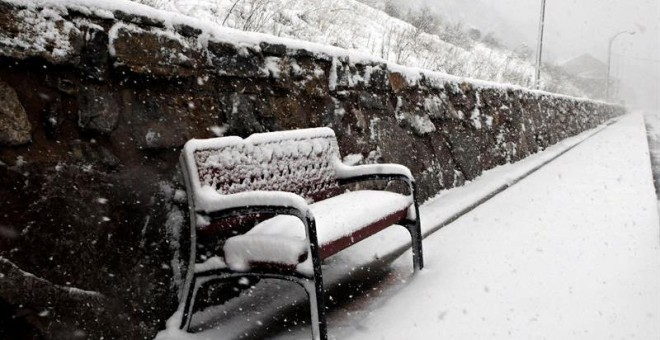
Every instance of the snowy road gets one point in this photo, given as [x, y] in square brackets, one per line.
[572, 251]
[653, 134]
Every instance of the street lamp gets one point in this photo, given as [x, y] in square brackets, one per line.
[609, 60]
[539, 47]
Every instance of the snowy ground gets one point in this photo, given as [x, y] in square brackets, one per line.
[653, 134]
[572, 251]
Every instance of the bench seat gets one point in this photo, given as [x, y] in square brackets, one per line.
[340, 222]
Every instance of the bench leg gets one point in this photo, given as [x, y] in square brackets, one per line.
[314, 288]
[188, 303]
[416, 237]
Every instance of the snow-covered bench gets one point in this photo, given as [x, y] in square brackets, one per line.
[296, 177]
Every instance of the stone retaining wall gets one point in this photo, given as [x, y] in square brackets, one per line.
[95, 105]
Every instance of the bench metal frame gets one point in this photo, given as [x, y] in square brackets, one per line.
[313, 284]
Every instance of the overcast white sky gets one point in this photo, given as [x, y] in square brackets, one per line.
[574, 27]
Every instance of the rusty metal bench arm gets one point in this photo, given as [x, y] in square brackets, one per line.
[387, 172]
[351, 174]
[397, 170]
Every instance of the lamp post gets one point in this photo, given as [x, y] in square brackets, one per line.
[539, 47]
[609, 60]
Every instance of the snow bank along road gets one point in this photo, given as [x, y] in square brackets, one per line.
[572, 251]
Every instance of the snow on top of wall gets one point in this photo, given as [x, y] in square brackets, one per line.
[53, 40]
[117, 9]
[107, 9]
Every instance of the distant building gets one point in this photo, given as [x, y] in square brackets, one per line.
[590, 75]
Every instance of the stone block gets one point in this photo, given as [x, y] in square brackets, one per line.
[42, 33]
[465, 144]
[187, 31]
[98, 110]
[379, 80]
[230, 61]
[242, 115]
[138, 19]
[278, 50]
[372, 101]
[15, 128]
[397, 82]
[94, 57]
[160, 135]
[153, 52]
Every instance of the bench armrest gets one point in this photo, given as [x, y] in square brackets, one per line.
[210, 203]
[349, 174]
[207, 200]
[275, 202]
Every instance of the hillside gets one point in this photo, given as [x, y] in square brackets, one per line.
[354, 25]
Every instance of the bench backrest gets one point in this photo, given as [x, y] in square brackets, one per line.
[298, 161]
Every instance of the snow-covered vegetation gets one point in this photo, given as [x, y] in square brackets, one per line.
[410, 36]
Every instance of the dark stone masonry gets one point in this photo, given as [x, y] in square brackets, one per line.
[96, 105]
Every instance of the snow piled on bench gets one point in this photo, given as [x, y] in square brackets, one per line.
[279, 249]
[298, 161]
[282, 239]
